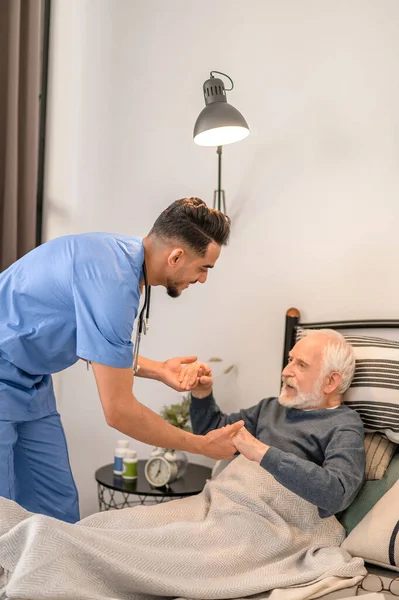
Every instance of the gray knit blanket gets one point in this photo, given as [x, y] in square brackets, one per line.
[244, 534]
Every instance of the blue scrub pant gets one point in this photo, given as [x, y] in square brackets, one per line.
[35, 469]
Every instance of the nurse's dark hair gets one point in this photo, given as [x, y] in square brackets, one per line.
[191, 222]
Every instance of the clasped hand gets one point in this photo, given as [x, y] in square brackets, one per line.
[249, 446]
[184, 374]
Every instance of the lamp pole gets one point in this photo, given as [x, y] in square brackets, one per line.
[219, 198]
[219, 153]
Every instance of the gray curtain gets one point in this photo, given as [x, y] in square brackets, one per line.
[20, 72]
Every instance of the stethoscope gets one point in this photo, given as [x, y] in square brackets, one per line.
[143, 324]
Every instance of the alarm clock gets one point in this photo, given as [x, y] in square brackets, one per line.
[163, 468]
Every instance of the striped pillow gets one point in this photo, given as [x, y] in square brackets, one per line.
[379, 452]
[374, 392]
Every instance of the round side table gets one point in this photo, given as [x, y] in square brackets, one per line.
[115, 492]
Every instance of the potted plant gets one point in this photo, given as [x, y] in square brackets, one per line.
[178, 414]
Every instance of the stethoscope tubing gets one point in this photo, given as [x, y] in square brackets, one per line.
[143, 324]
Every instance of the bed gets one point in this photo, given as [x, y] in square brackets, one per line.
[213, 545]
[376, 379]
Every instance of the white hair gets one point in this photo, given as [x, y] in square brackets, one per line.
[338, 356]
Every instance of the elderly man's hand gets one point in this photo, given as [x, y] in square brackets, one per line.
[197, 377]
[219, 442]
[249, 446]
[182, 373]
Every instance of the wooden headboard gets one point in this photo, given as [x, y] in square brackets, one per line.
[293, 321]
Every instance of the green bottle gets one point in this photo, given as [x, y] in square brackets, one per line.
[130, 465]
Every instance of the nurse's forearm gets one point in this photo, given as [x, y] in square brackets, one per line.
[139, 422]
[150, 369]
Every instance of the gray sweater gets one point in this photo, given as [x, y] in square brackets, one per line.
[318, 454]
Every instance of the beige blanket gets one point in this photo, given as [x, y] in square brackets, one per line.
[245, 534]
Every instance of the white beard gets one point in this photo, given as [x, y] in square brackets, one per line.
[303, 401]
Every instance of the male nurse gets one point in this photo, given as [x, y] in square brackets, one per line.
[77, 297]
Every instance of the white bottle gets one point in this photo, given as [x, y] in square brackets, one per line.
[130, 465]
[122, 444]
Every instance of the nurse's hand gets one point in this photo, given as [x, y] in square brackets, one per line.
[219, 442]
[181, 373]
[197, 376]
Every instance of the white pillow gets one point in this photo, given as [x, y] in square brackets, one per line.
[220, 465]
[376, 537]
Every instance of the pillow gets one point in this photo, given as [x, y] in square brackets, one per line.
[369, 495]
[376, 537]
[374, 392]
[220, 465]
[379, 452]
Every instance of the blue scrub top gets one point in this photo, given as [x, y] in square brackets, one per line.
[73, 297]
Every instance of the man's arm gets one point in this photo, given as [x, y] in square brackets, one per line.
[149, 369]
[123, 412]
[171, 372]
[331, 486]
[205, 414]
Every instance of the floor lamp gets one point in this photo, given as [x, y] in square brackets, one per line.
[218, 124]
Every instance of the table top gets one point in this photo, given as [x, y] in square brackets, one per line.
[192, 483]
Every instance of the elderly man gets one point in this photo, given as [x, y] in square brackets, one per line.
[307, 439]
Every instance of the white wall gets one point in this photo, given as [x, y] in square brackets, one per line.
[313, 192]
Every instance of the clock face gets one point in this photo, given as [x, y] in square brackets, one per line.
[157, 471]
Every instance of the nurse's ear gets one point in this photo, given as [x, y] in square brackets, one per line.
[175, 258]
